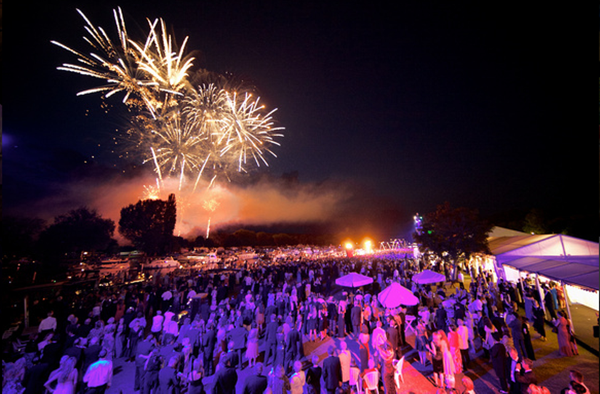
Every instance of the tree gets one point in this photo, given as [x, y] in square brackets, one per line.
[535, 223]
[246, 237]
[149, 225]
[79, 230]
[264, 239]
[451, 233]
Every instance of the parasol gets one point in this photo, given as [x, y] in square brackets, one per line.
[428, 276]
[353, 279]
[395, 295]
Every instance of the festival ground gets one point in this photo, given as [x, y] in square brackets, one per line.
[551, 369]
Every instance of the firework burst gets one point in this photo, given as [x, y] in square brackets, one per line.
[184, 130]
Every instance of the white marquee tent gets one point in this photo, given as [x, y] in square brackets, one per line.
[558, 257]
[572, 262]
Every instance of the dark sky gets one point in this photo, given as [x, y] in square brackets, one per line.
[409, 106]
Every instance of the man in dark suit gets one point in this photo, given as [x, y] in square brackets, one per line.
[332, 316]
[402, 326]
[256, 384]
[313, 375]
[209, 340]
[271, 339]
[52, 352]
[440, 319]
[91, 354]
[35, 377]
[292, 348]
[230, 358]
[356, 318]
[500, 361]
[225, 379]
[516, 329]
[142, 353]
[392, 335]
[332, 371]
[238, 336]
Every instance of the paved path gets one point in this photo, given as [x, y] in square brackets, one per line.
[551, 369]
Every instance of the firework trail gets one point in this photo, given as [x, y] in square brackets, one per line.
[184, 129]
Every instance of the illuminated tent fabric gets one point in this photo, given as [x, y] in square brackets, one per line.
[395, 295]
[428, 276]
[558, 257]
[353, 279]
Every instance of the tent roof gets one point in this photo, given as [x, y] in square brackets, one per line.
[542, 245]
[545, 255]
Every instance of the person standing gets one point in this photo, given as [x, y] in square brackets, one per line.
[345, 357]
[278, 381]
[454, 342]
[65, 377]
[298, 379]
[194, 379]
[563, 333]
[386, 352]
[168, 378]
[364, 352]
[313, 375]
[356, 318]
[238, 336]
[255, 383]
[392, 335]
[48, 324]
[463, 343]
[226, 379]
[151, 370]
[252, 346]
[332, 316]
[539, 323]
[271, 339]
[516, 329]
[157, 325]
[98, 376]
[209, 339]
[499, 361]
[332, 371]
[527, 339]
[341, 319]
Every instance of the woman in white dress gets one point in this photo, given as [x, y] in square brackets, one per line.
[65, 377]
[252, 345]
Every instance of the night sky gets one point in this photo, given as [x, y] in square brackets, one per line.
[397, 108]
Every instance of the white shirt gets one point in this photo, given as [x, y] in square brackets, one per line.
[167, 295]
[48, 323]
[168, 316]
[157, 323]
[172, 328]
[345, 363]
[463, 337]
[99, 373]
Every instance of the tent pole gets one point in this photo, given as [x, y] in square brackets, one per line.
[563, 246]
[537, 283]
[567, 303]
[25, 312]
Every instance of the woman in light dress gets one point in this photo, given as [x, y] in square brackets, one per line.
[65, 377]
[252, 345]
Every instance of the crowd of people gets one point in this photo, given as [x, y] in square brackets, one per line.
[181, 328]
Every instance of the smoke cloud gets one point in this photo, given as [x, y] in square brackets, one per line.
[263, 202]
